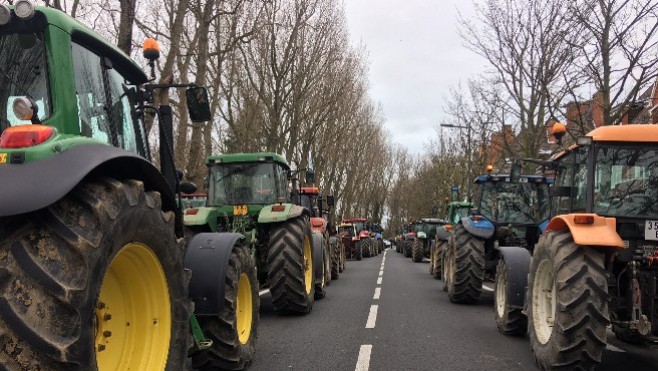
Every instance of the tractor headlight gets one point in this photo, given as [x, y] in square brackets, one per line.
[5, 14]
[24, 9]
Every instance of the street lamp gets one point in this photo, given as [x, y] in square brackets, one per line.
[468, 148]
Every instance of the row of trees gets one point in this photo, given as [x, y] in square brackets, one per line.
[542, 57]
[282, 77]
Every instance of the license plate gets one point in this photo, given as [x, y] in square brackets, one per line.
[239, 210]
[651, 230]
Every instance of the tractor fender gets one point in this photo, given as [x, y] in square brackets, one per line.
[318, 261]
[318, 224]
[208, 256]
[517, 262]
[483, 228]
[37, 184]
[202, 216]
[601, 232]
[442, 233]
[269, 215]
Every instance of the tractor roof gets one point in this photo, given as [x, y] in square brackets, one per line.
[345, 225]
[433, 221]
[355, 220]
[247, 157]
[505, 177]
[81, 32]
[625, 133]
[309, 190]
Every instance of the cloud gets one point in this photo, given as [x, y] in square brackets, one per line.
[416, 55]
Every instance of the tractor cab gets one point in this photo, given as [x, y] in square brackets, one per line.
[514, 212]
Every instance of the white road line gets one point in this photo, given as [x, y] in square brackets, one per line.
[379, 280]
[363, 363]
[263, 292]
[381, 273]
[378, 291]
[372, 317]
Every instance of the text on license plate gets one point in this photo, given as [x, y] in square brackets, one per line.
[651, 230]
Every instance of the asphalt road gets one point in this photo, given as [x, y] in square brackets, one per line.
[402, 322]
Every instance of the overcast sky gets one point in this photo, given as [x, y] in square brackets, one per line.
[415, 55]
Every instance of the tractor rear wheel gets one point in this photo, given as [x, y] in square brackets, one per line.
[407, 249]
[436, 258]
[567, 303]
[321, 283]
[234, 331]
[466, 267]
[417, 251]
[335, 258]
[366, 248]
[72, 274]
[510, 321]
[359, 250]
[343, 259]
[290, 266]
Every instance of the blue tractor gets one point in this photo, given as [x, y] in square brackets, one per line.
[509, 213]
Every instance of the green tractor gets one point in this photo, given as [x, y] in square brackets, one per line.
[425, 238]
[91, 234]
[456, 210]
[248, 194]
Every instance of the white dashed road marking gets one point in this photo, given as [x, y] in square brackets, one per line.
[379, 280]
[372, 317]
[363, 363]
[381, 272]
[378, 291]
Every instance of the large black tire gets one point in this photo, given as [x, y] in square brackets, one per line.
[575, 277]
[407, 249]
[510, 321]
[366, 248]
[466, 267]
[334, 245]
[417, 251]
[328, 256]
[343, 258]
[59, 264]
[230, 350]
[437, 265]
[359, 250]
[290, 258]
[322, 282]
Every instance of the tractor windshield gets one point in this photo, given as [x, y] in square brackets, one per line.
[518, 203]
[246, 183]
[24, 74]
[346, 229]
[626, 182]
[359, 226]
[459, 213]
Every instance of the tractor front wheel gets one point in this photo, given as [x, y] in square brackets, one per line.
[567, 303]
[73, 274]
[465, 267]
[417, 251]
[510, 321]
[290, 266]
[234, 331]
[334, 246]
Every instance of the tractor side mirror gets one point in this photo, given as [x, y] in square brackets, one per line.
[330, 200]
[187, 187]
[515, 173]
[198, 104]
[310, 176]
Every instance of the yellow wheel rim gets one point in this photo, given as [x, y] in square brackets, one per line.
[244, 308]
[308, 265]
[133, 313]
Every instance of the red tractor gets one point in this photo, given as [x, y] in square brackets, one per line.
[356, 238]
[311, 199]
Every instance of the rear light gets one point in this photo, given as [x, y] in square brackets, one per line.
[278, 208]
[583, 219]
[476, 218]
[191, 211]
[447, 226]
[317, 222]
[25, 136]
